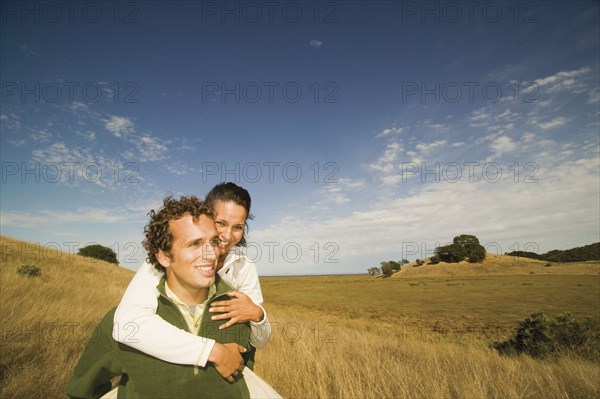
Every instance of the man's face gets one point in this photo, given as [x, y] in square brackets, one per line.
[191, 265]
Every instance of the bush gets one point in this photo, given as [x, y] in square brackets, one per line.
[98, 251]
[452, 253]
[419, 262]
[434, 260]
[29, 270]
[463, 246]
[386, 270]
[539, 337]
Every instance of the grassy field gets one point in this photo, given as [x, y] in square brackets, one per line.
[424, 333]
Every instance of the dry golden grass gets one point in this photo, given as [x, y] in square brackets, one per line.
[47, 320]
[317, 355]
[324, 345]
[498, 265]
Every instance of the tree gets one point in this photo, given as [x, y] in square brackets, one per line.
[463, 246]
[395, 265]
[474, 251]
[386, 269]
[98, 251]
[374, 271]
[452, 253]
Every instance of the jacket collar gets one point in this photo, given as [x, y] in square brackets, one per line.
[222, 287]
[233, 256]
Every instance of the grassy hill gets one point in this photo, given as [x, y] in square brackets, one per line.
[423, 336]
[498, 265]
[46, 320]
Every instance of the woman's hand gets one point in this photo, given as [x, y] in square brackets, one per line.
[239, 309]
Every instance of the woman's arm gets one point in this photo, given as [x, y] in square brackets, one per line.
[136, 324]
[247, 304]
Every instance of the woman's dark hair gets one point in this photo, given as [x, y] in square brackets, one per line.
[231, 192]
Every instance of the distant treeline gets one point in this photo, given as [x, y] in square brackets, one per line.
[579, 254]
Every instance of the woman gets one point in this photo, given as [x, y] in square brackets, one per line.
[137, 325]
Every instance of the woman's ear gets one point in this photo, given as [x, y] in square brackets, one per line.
[163, 258]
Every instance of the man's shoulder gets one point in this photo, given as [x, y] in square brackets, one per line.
[107, 320]
[221, 285]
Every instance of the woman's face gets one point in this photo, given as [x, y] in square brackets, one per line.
[230, 219]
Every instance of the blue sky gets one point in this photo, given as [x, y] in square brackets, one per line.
[364, 130]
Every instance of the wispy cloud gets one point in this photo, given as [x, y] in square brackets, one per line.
[385, 163]
[338, 193]
[502, 145]
[151, 148]
[390, 132]
[564, 80]
[28, 50]
[41, 136]
[48, 218]
[554, 123]
[119, 125]
[315, 43]
[508, 211]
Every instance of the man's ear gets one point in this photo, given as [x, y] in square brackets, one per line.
[163, 258]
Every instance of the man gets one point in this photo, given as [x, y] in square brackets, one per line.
[182, 238]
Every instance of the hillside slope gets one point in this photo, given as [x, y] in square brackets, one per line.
[498, 265]
[46, 320]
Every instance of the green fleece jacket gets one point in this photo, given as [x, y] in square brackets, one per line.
[143, 376]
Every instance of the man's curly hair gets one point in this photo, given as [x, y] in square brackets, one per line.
[157, 232]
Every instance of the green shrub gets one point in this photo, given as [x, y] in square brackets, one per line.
[463, 246]
[419, 262]
[98, 251]
[539, 337]
[434, 260]
[386, 269]
[29, 270]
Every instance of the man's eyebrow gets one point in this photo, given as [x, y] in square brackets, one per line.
[194, 241]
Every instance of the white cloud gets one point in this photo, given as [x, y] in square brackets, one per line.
[528, 137]
[338, 193]
[436, 126]
[556, 122]
[427, 147]
[17, 143]
[119, 125]
[560, 210]
[502, 145]
[384, 163]
[42, 136]
[88, 135]
[60, 153]
[151, 148]
[563, 80]
[390, 131]
[10, 121]
[315, 43]
[48, 218]
[594, 96]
